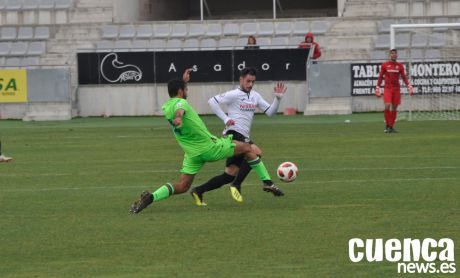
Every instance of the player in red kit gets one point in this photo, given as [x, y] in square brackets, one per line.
[392, 94]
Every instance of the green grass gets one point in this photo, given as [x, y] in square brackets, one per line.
[64, 200]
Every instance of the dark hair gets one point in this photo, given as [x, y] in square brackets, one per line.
[174, 86]
[393, 49]
[248, 71]
[252, 37]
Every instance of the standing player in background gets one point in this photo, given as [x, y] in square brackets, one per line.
[241, 103]
[2, 157]
[199, 145]
[392, 70]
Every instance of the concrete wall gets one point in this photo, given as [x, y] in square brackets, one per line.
[127, 11]
[170, 9]
[329, 80]
[147, 99]
[48, 93]
[48, 85]
[330, 93]
[340, 7]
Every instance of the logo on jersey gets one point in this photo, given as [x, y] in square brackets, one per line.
[248, 107]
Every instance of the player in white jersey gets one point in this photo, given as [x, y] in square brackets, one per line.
[241, 105]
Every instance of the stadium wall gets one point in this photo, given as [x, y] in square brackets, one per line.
[330, 92]
[48, 97]
[127, 11]
[330, 89]
[139, 100]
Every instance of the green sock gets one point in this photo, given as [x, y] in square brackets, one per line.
[163, 192]
[260, 169]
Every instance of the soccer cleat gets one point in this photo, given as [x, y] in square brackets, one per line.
[198, 198]
[387, 129]
[5, 158]
[144, 201]
[273, 189]
[392, 130]
[236, 194]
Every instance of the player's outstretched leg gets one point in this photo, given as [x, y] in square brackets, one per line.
[162, 193]
[147, 198]
[144, 201]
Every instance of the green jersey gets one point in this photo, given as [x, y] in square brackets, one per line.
[193, 136]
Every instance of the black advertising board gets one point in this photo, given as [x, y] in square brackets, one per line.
[273, 64]
[425, 77]
[116, 68]
[88, 68]
[208, 66]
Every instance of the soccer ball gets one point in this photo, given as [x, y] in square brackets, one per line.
[287, 171]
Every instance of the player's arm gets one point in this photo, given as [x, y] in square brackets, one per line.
[268, 109]
[215, 107]
[177, 121]
[186, 75]
[406, 81]
[317, 51]
[379, 80]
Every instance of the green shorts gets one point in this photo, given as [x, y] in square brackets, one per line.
[222, 148]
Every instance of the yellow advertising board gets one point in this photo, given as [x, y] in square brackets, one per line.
[13, 85]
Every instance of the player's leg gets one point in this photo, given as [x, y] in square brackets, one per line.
[387, 100]
[163, 192]
[396, 100]
[244, 171]
[256, 163]
[190, 166]
[394, 114]
[216, 182]
[2, 157]
[232, 168]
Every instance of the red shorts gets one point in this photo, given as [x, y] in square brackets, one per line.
[392, 96]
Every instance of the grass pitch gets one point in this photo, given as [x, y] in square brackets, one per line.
[64, 200]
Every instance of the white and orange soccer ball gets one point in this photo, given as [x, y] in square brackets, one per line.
[287, 171]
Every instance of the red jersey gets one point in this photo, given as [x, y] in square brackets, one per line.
[306, 45]
[392, 70]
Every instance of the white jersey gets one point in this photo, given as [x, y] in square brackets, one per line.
[241, 107]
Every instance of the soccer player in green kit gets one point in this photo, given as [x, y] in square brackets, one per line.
[199, 145]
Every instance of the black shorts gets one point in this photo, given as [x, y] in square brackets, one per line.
[237, 160]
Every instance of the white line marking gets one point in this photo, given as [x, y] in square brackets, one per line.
[383, 180]
[86, 173]
[246, 184]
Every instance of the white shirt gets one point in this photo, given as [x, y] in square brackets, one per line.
[240, 108]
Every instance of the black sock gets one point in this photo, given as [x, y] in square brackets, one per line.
[242, 174]
[215, 183]
[268, 182]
